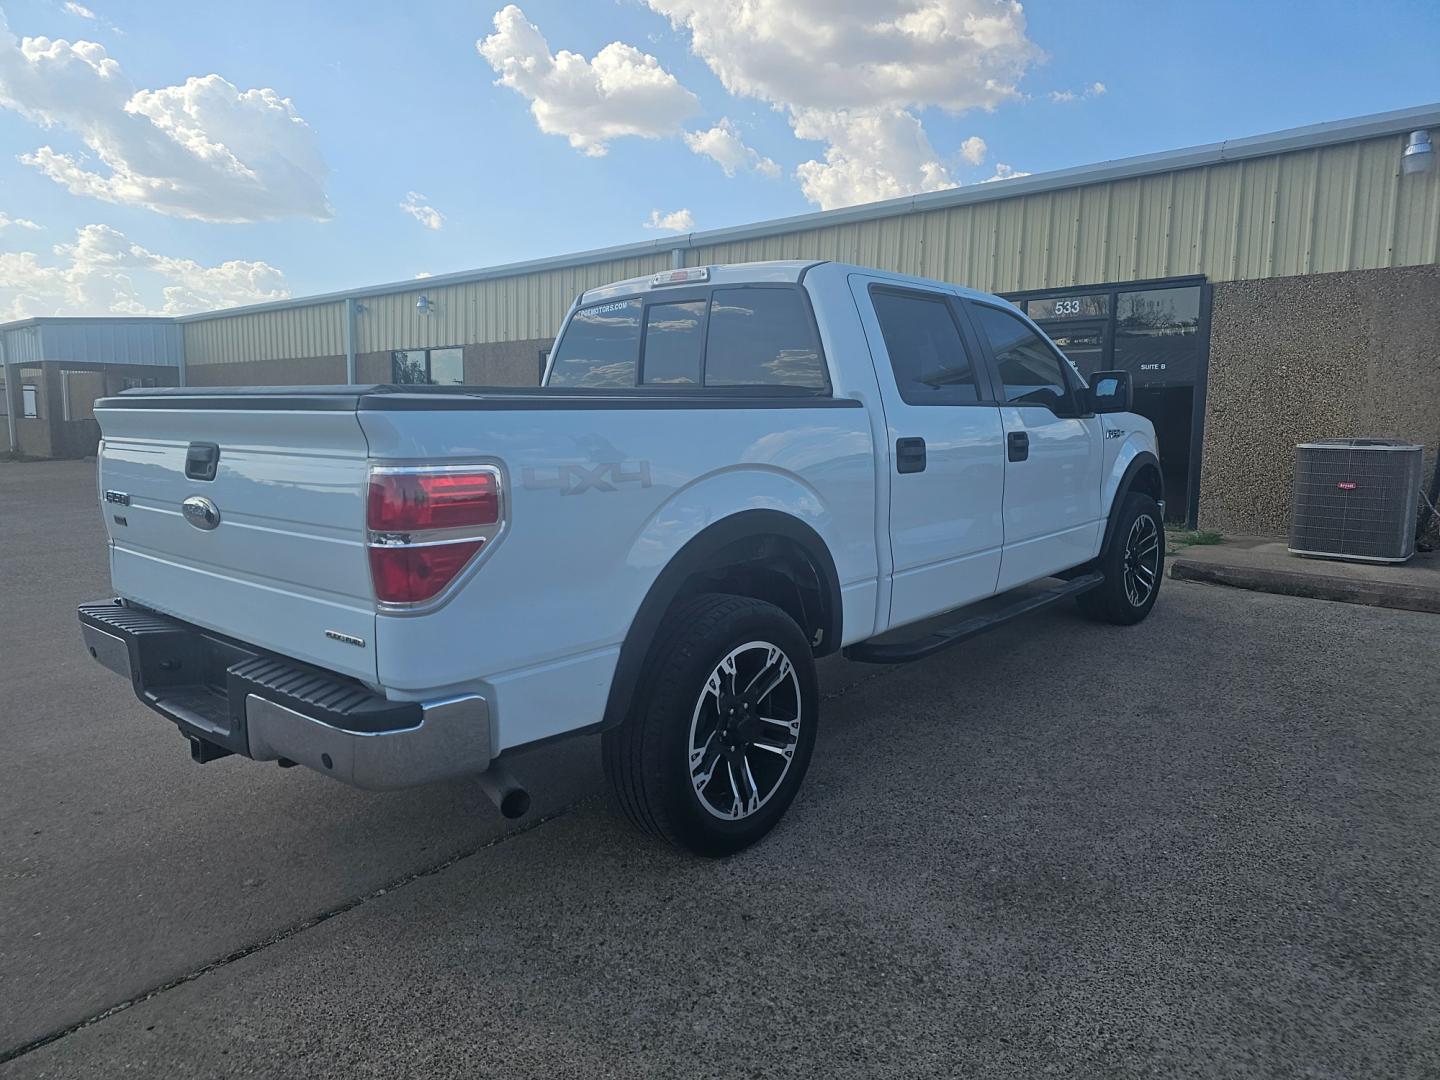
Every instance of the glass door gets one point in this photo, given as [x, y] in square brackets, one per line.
[1083, 342]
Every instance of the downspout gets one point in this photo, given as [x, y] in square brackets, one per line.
[182, 376]
[9, 390]
[350, 306]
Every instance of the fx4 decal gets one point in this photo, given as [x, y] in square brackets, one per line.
[578, 479]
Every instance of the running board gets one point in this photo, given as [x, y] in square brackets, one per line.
[901, 652]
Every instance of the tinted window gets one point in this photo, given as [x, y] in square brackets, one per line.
[601, 346]
[1157, 336]
[674, 342]
[926, 351]
[1029, 369]
[408, 366]
[762, 337]
[1095, 305]
[447, 367]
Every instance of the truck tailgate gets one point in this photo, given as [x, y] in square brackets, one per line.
[285, 567]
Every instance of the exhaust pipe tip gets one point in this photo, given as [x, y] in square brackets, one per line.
[505, 791]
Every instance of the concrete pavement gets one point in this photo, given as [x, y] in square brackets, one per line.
[1205, 846]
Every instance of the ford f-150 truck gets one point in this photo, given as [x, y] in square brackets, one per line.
[728, 472]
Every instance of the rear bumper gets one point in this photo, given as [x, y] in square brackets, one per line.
[231, 698]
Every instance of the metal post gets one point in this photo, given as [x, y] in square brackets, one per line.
[350, 340]
[677, 258]
[12, 391]
[182, 376]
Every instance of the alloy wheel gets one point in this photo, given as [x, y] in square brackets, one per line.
[744, 730]
[1141, 569]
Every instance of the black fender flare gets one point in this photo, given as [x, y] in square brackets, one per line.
[1142, 460]
[698, 554]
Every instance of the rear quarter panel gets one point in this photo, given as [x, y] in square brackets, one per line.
[599, 500]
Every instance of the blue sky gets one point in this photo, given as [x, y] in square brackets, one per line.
[222, 196]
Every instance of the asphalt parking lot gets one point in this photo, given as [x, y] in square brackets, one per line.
[1206, 846]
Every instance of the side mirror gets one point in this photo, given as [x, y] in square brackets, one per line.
[1111, 392]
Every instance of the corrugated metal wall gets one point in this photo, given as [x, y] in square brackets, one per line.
[1342, 207]
[1315, 211]
[152, 342]
[501, 309]
[289, 333]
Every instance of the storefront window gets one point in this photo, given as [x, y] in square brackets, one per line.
[1093, 306]
[1157, 336]
[428, 367]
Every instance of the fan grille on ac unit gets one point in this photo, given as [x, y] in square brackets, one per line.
[1356, 499]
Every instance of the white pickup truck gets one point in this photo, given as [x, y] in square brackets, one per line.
[729, 472]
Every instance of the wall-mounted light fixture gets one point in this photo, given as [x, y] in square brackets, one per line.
[1419, 155]
[424, 305]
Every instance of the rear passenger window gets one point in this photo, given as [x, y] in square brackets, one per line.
[926, 350]
[674, 342]
[1029, 368]
[762, 337]
[600, 347]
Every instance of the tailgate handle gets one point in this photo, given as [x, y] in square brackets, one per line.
[201, 460]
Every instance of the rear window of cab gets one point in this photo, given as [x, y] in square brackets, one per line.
[732, 337]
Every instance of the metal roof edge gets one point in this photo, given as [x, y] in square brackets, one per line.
[1311, 136]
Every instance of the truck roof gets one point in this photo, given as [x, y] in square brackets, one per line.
[776, 270]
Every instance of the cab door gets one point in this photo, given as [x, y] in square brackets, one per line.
[945, 448]
[1053, 451]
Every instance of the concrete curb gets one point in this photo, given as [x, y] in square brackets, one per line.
[1308, 584]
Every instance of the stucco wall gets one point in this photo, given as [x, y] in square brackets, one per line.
[1300, 358]
[313, 370]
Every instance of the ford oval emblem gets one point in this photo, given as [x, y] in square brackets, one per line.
[200, 512]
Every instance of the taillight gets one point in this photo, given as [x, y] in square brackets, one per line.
[426, 525]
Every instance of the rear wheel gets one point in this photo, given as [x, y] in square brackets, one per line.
[720, 736]
[1133, 565]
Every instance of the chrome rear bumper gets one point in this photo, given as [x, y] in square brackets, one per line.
[227, 697]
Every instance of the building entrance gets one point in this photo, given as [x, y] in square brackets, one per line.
[1160, 333]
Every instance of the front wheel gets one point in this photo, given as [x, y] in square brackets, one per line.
[1133, 565]
[719, 740]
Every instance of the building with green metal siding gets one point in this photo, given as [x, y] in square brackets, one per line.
[1264, 291]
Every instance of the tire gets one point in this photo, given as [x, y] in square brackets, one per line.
[1136, 548]
[708, 656]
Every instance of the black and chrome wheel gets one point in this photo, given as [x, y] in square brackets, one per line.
[744, 730]
[718, 743]
[1133, 564]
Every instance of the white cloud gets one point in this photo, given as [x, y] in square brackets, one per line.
[79, 9]
[6, 222]
[102, 272]
[204, 149]
[723, 144]
[855, 74]
[873, 154]
[418, 207]
[1064, 97]
[423, 274]
[974, 150]
[819, 54]
[679, 221]
[621, 91]
[1004, 172]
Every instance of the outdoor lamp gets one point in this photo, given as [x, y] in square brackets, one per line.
[1419, 155]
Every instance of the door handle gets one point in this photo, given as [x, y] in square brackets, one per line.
[909, 455]
[1017, 446]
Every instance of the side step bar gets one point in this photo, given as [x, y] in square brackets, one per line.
[900, 652]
